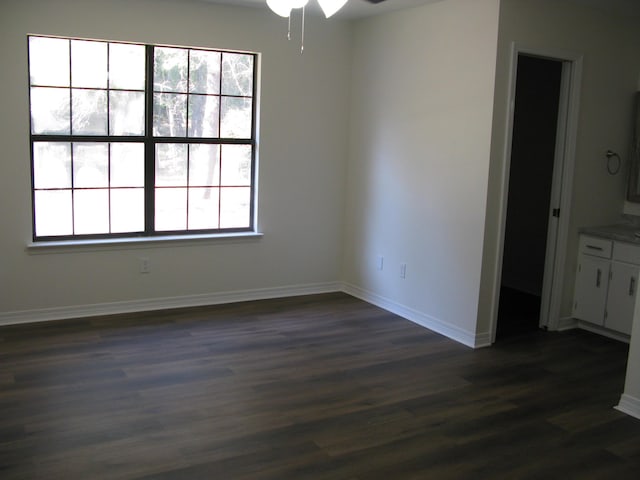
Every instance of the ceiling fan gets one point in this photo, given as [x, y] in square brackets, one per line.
[329, 7]
[284, 8]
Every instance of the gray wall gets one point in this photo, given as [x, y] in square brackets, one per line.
[421, 106]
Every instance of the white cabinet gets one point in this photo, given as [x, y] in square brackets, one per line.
[606, 283]
[622, 294]
[590, 296]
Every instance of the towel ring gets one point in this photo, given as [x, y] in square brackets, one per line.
[613, 170]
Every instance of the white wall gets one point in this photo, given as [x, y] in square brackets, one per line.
[611, 50]
[303, 148]
[421, 110]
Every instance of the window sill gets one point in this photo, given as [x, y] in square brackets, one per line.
[106, 244]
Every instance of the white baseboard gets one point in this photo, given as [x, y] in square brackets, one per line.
[482, 340]
[78, 311]
[629, 405]
[605, 332]
[566, 323]
[470, 339]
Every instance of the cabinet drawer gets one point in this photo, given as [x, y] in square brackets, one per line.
[626, 252]
[597, 247]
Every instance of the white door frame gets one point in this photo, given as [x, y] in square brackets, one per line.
[562, 185]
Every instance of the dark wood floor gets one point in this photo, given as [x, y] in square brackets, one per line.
[319, 387]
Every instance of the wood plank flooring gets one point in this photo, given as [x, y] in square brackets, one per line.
[317, 387]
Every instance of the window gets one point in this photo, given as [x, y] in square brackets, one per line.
[140, 140]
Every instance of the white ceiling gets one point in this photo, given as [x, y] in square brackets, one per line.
[361, 8]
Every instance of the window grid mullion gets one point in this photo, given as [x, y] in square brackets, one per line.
[187, 123]
[73, 190]
[149, 147]
[70, 92]
[187, 186]
[219, 132]
[254, 110]
[108, 89]
[109, 184]
[109, 144]
[73, 193]
[186, 120]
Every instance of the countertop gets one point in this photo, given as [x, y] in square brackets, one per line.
[622, 232]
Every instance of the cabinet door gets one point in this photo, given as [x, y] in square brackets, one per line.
[621, 299]
[591, 289]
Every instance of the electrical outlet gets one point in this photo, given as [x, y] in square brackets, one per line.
[380, 262]
[145, 265]
[403, 270]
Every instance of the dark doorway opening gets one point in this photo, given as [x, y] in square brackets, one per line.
[533, 147]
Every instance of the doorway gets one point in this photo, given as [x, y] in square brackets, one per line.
[530, 199]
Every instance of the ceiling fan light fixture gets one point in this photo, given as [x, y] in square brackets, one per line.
[284, 7]
[279, 7]
[329, 7]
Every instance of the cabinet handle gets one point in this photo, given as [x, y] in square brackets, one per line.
[598, 277]
[632, 286]
[593, 247]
